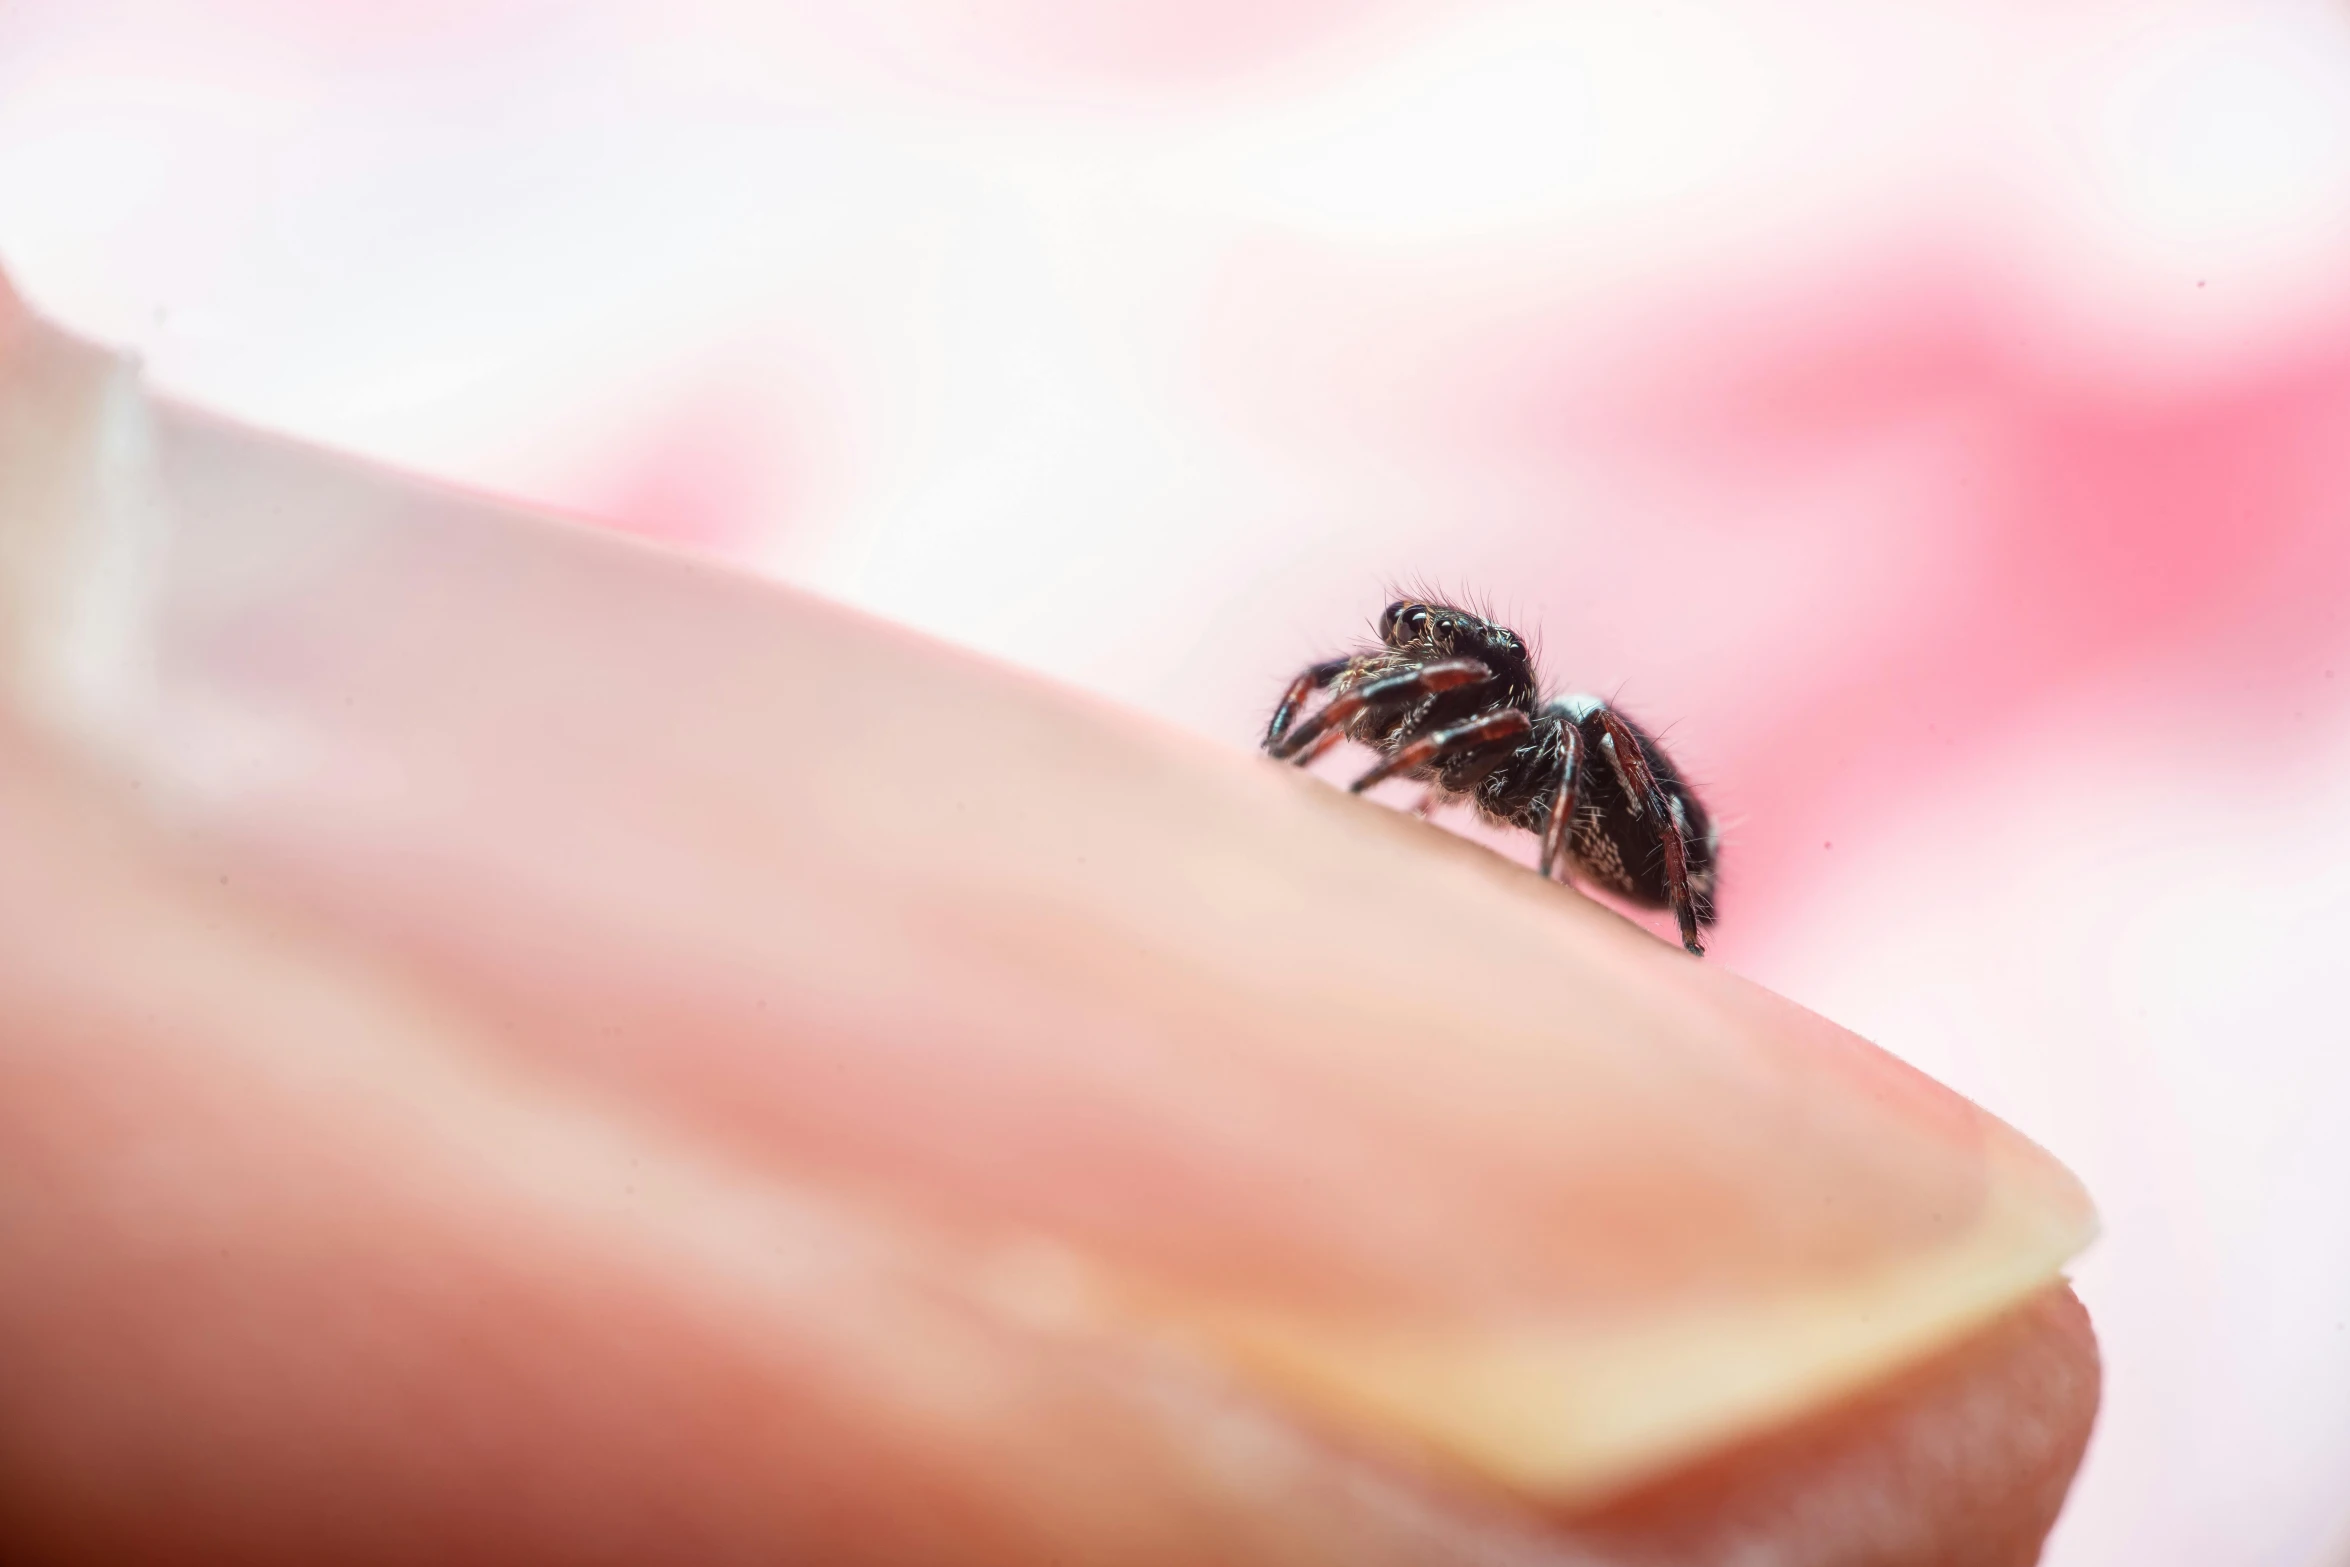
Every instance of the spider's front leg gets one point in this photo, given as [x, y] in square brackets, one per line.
[1314, 679]
[1507, 727]
[1641, 789]
[1387, 692]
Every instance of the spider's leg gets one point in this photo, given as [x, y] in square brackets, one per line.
[1315, 751]
[1640, 787]
[1387, 691]
[1508, 726]
[1562, 801]
[1636, 793]
[1305, 685]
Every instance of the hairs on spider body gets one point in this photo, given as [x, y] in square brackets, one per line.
[1451, 699]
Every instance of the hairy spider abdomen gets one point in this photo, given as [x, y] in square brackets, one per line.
[1617, 846]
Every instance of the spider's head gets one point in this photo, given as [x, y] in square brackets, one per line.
[1441, 631]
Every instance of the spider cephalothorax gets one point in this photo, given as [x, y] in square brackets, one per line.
[1451, 699]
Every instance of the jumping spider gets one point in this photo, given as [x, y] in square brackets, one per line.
[1451, 698]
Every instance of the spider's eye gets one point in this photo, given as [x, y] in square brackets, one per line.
[1406, 621]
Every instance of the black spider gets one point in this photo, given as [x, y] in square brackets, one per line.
[1451, 698]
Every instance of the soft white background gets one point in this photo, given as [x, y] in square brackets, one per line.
[1939, 414]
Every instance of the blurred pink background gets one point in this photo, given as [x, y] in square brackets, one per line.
[1938, 415]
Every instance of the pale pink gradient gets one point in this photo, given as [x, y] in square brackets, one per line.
[1939, 415]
